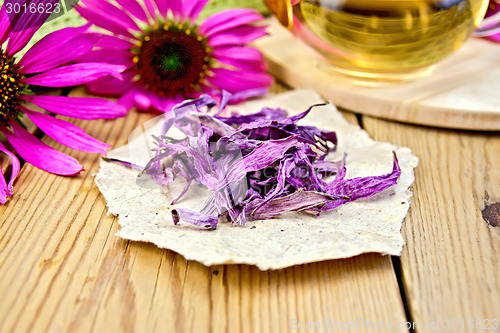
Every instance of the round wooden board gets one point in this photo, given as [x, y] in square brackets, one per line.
[463, 92]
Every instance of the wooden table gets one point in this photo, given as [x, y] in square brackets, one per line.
[62, 269]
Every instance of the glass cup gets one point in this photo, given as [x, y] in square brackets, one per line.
[381, 40]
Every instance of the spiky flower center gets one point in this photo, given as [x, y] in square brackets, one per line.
[172, 59]
[10, 89]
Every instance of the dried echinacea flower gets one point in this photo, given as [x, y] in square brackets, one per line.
[42, 65]
[256, 166]
[170, 57]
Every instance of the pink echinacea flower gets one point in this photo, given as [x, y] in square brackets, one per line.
[42, 65]
[494, 11]
[170, 57]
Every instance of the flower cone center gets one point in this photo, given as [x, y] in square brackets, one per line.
[172, 60]
[10, 89]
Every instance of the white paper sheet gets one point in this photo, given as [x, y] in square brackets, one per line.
[367, 225]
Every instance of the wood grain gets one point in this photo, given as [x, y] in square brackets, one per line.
[64, 270]
[462, 92]
[450, 263]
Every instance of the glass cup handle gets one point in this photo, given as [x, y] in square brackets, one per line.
[490, 25]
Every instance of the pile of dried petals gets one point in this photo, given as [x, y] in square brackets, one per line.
[256, 166]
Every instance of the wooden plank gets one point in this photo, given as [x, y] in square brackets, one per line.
[450, 263]
[63, 269]
[462, 92]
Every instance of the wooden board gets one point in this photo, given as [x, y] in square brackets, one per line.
[63, 269]
[451, 271]
[463, 92]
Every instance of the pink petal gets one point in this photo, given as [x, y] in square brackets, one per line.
[24, 25]
[228, 19]
[136, 97]
[142, 101]
[244, 65]
[66, 133]
[35, 152]
[6, 189]
[110, 86]
[104, 21]
[73, 75]
[115, 14]
[127, 100]
[78, 107]
[234, 81]
[495, 38]
[192, 9]
[114, 43]
[238, 52]
[59, 54]
[134, 8]
[45, 47]
[117, 57]
[163, 6]
[237, 36]
[151, 9]
[4, 25]
[491, 21]
[175, 7]
[165, 104]
[243, 57]
[145, 99]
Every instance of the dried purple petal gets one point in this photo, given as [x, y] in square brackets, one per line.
[357, 188]
[180, 110]
[261, 157]
[125, 163]
[265, 113]
[195, 218]
[297, 201]
[219, 127]
[183, 192]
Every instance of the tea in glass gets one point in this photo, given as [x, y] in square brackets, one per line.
[385, 39]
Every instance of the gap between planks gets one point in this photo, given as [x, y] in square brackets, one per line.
[450, 269]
